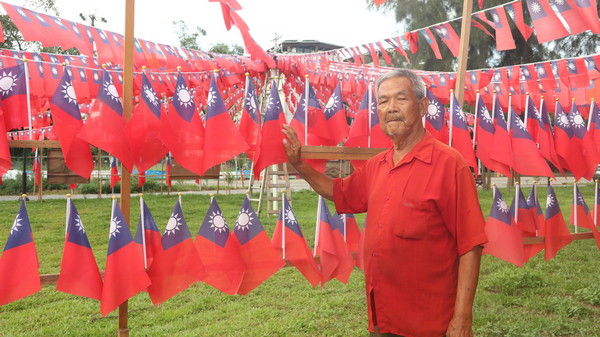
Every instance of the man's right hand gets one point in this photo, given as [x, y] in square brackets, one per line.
[292, 145]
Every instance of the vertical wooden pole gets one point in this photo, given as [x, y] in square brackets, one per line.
[463, 54]
[127, 108]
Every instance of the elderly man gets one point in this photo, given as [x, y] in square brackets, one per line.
[424, 229]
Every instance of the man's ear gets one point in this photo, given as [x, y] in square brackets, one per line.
[423, 104]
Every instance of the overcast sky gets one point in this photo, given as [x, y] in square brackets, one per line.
[342, 22]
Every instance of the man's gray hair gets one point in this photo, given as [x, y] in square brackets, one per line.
[417, 83]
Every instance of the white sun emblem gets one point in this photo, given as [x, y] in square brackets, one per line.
[510, 12]
[502, 206]
[461, 115]
[442, 31]
[486, 115]
[244, 220]
[289, 216]
[571, 65]
[184, 97]
[541, 71]
[69, 92]
[7, 82]
[520, 123]
[535, 7]
[21, 12]
[563, 120]
[578, 121]
[217, 222]
[432, 110]
[173, 224]
[16, 225]
[495, 17]
[580, 200]
[211, 99]
[559, 2]
[252, 101]
[150, 95]
[526, 72]
[114, 227]
[79, 224]
[41, 19]
[331, 102]
[111, 90]
[549, 200]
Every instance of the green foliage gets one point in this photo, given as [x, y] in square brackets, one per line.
[590, 294]
[223, 48]
[514, 281]
[188, 38]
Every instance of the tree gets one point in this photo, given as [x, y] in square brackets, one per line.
[188, 38]
[223, 48]
[415, 14]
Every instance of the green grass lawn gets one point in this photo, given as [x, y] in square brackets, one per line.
[556, 298]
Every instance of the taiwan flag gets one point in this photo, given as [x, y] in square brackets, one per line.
[67, 123]
[144, 128]
[271, 140]
[582, 217]
[504, 37]
[505, 239]
[315, 128]
[147, 235]
[546, 24]
[124, 273]
[250, 122]
[545, 137]
[14, 97]
[538, 216]
[336, 261]
[114, 173]
[79, 273]
[501, 150]
[258, 253]
[574, 14]
[291, 244]
[105, 125]
[484, 135]
[435, 118]
[335, 117]
[527, 159]
[461, 137]
[524, 216]
[594, 129]
[353, 237]
[5, 158]
[449, 37]
[219, 253]
[217, 148]
[430, 39]
[182, 130]
[555, 232]
[19, 275]
[177, 265]
[365, 130]
[584, 142]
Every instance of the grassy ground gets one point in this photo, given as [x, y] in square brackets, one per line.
[556, 298]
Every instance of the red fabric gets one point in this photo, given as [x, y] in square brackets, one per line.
[461, 136]
[432, 42]
[505, 240]
[588, 13]
[5, 159]
[504, 38]
[19, 273]
[336, 261]
[384, 53]
[555, 232]
[361, 130]
[484, 139]
[168, 173]
[249, 128]
[448, 35]
[518, 18]
[353, 238]
[114, 174]
[79, 274]
[271, 144]
[546, 24]
[37, 171]
[414, 233]
[14, 100]
[224, 265]
[527, 160]
[1, 33]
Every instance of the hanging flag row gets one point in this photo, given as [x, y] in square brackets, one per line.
[506, 227]
[233, 261]
[53, 31]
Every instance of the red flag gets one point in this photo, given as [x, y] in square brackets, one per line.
[147, 235]
[79, 273]
[353, 238]
[271, 145]
[335, 117]
[515, 11]
[431, 41]
[124, 273]
[37, 170]
[501, 150]
[67, 124]
[219, 149]
[365, 130]
[5, 159]
[460, 137]
[177, 265]
[435, 119]
[374, 56]
[250, 122]
[182, 131]
[527, 159]
[385, 54]
[144, 128]
[545, 137]
[449, 37]
[579, 15]
[14, 97]
[114, 173]
[219, 252]
[291, 245]
[105, 126]
[19, 275]
[504, 38]
[584, 141]
[555, 232]
[336, 261]
[546, 24]
[485, 140]
[504, 237]
[258, 253]
[573, 73]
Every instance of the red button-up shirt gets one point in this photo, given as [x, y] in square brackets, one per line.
[422, 214]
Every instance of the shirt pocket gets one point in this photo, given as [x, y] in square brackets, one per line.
[414, 220]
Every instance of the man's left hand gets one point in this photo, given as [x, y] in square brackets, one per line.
[460, 327]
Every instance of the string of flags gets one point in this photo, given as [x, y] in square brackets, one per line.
[233, 260]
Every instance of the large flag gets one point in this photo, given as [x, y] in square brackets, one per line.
[219, 253]
[79, 273]
[579, 15]
[584, 142]
[524, 216]
[250, 121]
[260, 256]
[336, 261]
[217, 148]
[527, 160]
[177, 265]
[335, 117]
[143, 128]
[182, 131]
[271, 149]
[147, 235]
[555, 232]
[435, 118]
[581, 215]
[105, 125]
[114, 173]
[546, 24]
[365, 130]
[460, 136]
[291, 244]
[504, 238]
[313, 131]
[501, 150]
[14, 97]
[484, 137]
[67, 123]
[449, 37]
[124, 273]
[504, 37]
[515, 11]
[19, 275]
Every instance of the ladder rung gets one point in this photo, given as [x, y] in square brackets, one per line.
[273, 211]
[274, 198]
[254, 199]
[278, 186]
[278, 172]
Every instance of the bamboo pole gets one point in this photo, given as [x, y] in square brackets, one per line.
[127, 108]
[463, 54]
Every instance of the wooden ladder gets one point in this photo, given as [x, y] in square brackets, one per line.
[275, 180]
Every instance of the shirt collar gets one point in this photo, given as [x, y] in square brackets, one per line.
[422, 151]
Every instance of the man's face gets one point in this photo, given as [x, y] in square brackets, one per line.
[400, 111]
